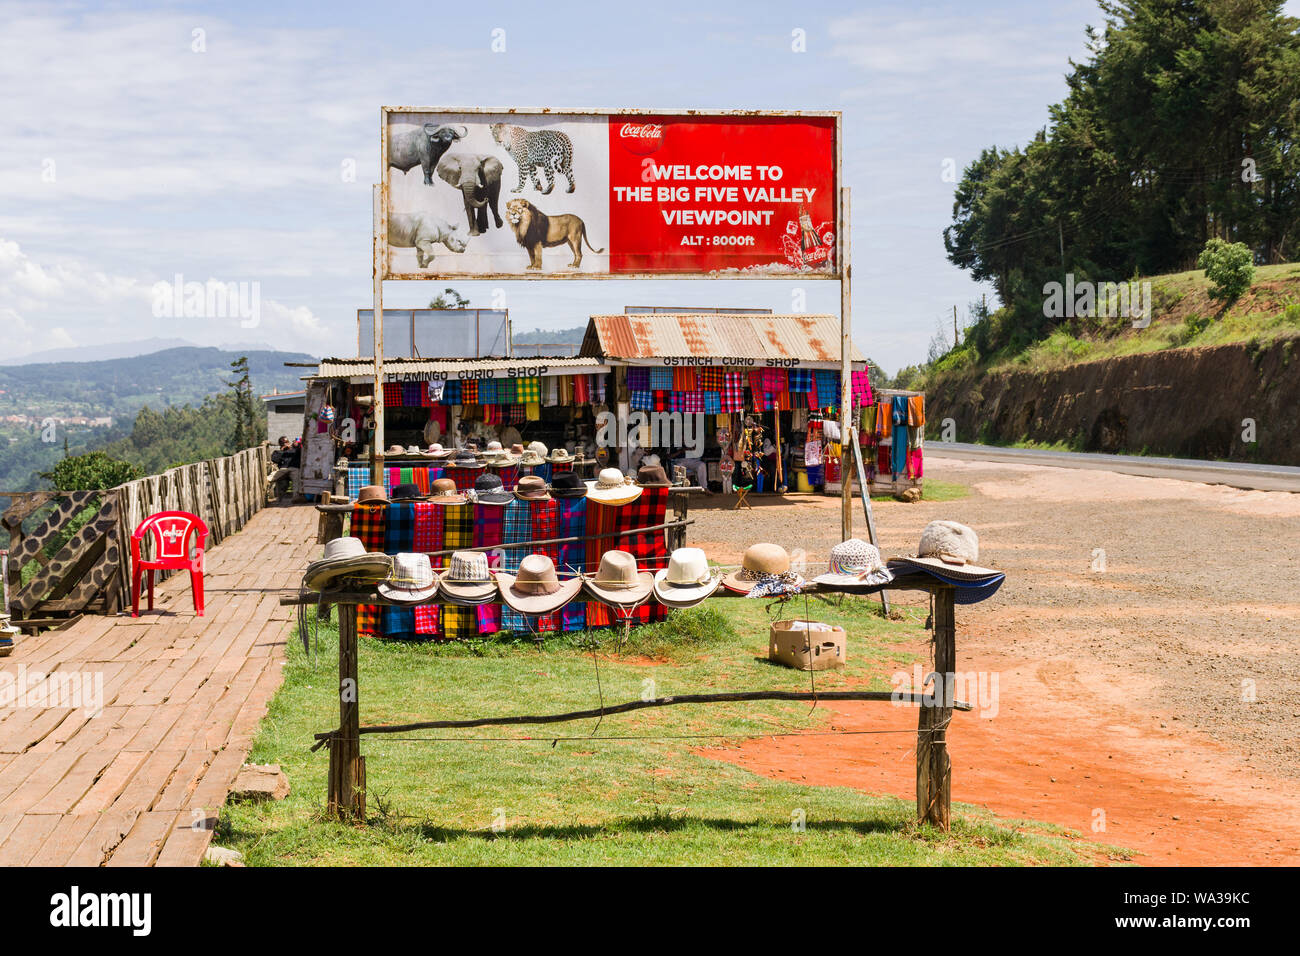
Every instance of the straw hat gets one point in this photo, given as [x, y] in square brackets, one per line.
[466, 459]
[516, 450]
[493, 446]
[468, 579]
[413, 579]
[437, 451]
[414, 451]
[651, 461]
[443, 492]
[651, 476]
[617, 580]
[760, 559]
[488, 490]
[408, 492]
[538, 447]
[531, 458]
[531, 488]
[949, 551]
[855, 564]
[395, 451]
[568, 485]
[346, 558]
[687, 580]
[611, 488]
[372, 495]
[560, 456]
[536, 588]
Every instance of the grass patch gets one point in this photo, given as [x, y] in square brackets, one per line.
[934, 490]
[571, 799]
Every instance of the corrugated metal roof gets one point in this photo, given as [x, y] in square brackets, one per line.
[353, 367]
[810, 338]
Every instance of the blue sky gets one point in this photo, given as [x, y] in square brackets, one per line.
[127, 158]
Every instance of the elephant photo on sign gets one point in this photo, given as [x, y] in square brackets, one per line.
[423, 231]
[422, 147]
[478, 178]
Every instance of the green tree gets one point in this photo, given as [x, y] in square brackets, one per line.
[449, 298]
[91, 472]
[248, 430]
[1229, 266]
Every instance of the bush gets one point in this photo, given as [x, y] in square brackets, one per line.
[1230, 266]
[93, 471]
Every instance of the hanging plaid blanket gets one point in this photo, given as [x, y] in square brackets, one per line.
[451, 393]
[545, 525]
[413, 394]
[600, 519]
[861, 384]
[427, 534]
[774, 380]
[458, 526]
[399, 533]
[487, 391]
[828, 387]
[560, 466]
[711, 378]
[517, 526]
[756, 389]
[396, 623]
[507, 390]
[509, 476]
[464, 477]
[638, 379]
[693, 402]
[572, 514]
[684, 379]
[358, 478]
[733, 392]
[542, 471]
[677, 401]
[393, 394]
[661, 400]
[367, 523]
[642, 400]
[489, 529]
[712, 403]
[468, 391]
[800, 379]
[661, 379]
[528, 390]
[649, 549]
[516, 414]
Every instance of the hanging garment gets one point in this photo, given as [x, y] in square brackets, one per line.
[550, 391]
[601, 518]
[661, 379]
[800, 380]
[712, 378]
[916, 410]
[572, 517]
[733, 392]
[434, 390]
[399, 528]
[396, 623]
[861, 385]
[712, 403]
[684, 379]
[641, 401]
[367, 524]
[393, 394]
[489, 531]
[638, 378]
[413, 394]
[649, 549]
[812, 453]
[469, 392]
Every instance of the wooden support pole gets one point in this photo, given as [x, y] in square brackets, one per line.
[846, 356]
[380, 266]
[347, 774]
[933, 765]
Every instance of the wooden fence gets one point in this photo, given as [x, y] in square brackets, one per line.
[90, 572]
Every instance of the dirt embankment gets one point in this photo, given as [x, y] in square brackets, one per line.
[1185, 403]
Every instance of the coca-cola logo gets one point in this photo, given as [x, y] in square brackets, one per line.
[641, 138]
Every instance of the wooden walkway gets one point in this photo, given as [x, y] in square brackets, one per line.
[142, 783]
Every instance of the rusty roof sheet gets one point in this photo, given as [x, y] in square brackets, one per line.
[810, 338]
[354, 367]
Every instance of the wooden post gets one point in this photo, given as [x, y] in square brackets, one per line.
[380, 266]
[347, 774]
[846, 358]
[933, 765]
[866, 502]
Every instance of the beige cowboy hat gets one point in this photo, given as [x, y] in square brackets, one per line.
[413, 579]
[346, 558]
[535, 588]
[687, 580]
[531, 458]
[560, 456]
[855, 564]
[372, 495]
[538, 447]
[394, 451]
[761, 558]
[949, 548]
[468, 580]
[611, 488]
[617, 580]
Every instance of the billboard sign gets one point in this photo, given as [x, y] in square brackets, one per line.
[552, 194]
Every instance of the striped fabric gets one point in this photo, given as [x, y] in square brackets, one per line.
[684, 379]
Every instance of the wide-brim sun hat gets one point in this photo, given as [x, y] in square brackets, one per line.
[468, 580]
[687, 580]
[531, 488]
[536, 588]
[619, 581]
[760, 558]
[346, 558]
[412, 580]
[568, 485]
[488, 490]
[611, 490]
[855, 564]
[949, 552]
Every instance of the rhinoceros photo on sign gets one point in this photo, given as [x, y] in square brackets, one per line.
[485, 194]
[607, 195]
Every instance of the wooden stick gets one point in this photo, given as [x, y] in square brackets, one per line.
[870, 695]
[347, 789]
[933, 764]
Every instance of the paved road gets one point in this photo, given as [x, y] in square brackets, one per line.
[1234, 474]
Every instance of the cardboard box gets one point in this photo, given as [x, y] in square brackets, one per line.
[807, 650]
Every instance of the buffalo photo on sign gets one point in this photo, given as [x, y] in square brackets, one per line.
[607, 195]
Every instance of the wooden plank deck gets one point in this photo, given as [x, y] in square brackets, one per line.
[142, 782]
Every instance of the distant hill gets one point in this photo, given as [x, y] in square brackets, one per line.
[571, 336]
[120, 387]
[92, 353]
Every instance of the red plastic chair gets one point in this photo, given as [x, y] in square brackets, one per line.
[172, 531]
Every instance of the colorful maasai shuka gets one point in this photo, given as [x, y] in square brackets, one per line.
[733, 392]
[399, 530]
[693, 402]
[638, 379]
[684, 379]
[641, 400]
[650, 549]
[487, 391]
[711, 378]
[861, 385]
[426, 536]
[601, 518]
[800, 379]
[396, 623]
[661, 379]
[413, 394]
[393, 394]
[529, 390]
[358, 478]
[367, 524]
[571, 514]
[463, 477]
[451, 393]
[517, 526]
[468, 392]
[712, 403]
[489, 529]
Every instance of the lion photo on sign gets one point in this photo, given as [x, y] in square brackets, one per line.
[535, 229]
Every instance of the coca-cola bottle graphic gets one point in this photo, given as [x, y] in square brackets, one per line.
[808, 238]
